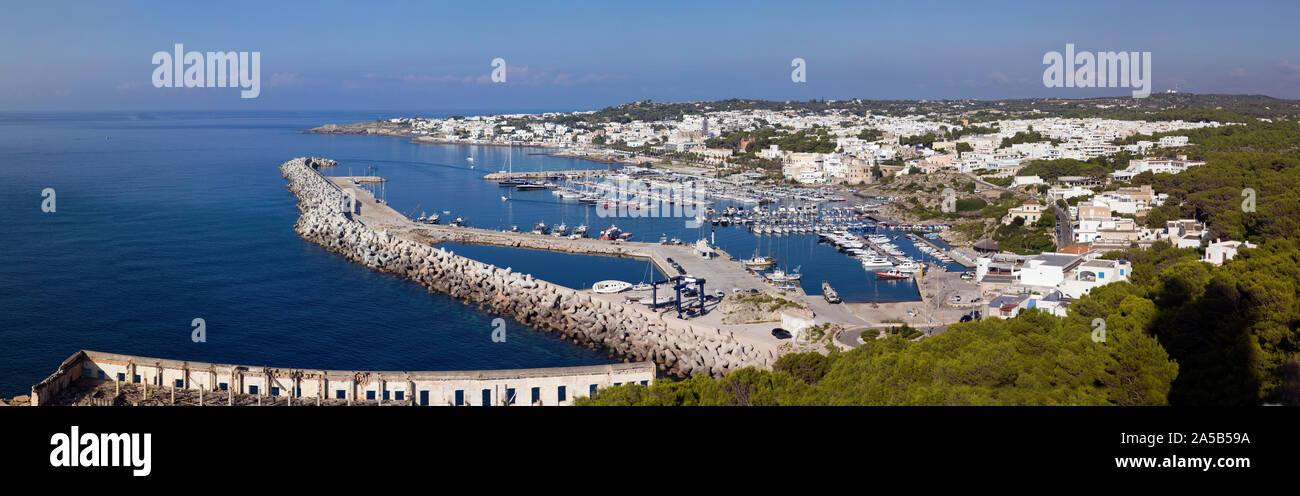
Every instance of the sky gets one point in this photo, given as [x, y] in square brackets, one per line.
[575, 56]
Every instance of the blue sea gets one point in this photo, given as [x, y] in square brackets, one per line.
[165, 217]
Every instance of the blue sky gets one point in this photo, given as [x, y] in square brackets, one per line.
[432, 55]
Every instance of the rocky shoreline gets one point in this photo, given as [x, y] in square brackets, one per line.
[678, 348]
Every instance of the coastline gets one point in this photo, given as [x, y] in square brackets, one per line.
[678, 348]
[390, 131]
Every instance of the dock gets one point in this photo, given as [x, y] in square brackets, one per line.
[497, 176]
[719, 272]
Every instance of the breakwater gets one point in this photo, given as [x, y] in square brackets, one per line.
[678, 348]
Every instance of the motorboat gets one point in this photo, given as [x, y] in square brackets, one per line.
[892, 274]
[829, 293]
[610, 287]
[876, 261]
[611, 233]
[427, 219]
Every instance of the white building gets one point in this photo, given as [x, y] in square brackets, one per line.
[1171, 141]
[1026, 180]
[1221, 251]
[1161, 165]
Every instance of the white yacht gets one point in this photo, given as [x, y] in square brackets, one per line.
[876, 261]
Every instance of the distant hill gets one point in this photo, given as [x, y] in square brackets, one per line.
[1160, 106]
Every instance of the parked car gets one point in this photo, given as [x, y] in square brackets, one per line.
[670, 260]
[719, 294]
[780, 333]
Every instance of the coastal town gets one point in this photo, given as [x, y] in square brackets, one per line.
[997, 215]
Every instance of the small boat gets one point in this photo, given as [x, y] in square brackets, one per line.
[876, 261]
[642, 287]
[892, 274]
[829, 293]
[758, 263]
[779, 276]
[511, 182]
[504, 198]
[610, 287]
[427, 219]
[561, 229]
[540, 228]
[527, 186]
[612, 233]
[460, 222]
[514, 228]
[581, 231]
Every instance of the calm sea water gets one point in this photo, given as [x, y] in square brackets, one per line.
[167, 217]
[440, 179]
[164, 217]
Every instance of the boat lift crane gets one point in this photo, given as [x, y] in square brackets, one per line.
[678, 283]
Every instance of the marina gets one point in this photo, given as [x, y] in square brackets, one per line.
[782, 229]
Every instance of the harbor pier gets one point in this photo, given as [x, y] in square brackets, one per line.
[372, 234]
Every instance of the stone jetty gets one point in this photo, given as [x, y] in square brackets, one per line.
[678, 348]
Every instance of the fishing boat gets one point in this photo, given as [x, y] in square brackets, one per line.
[758, 263]
[581, 231]
[561, 229]
[780, 277]
[460, 222]
[610, 287]
[427, 219]
[539, 228]
[611, 233]
[892, 274]
[829, 293]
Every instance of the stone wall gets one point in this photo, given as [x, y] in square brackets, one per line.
[633, 332]
[95, 378]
